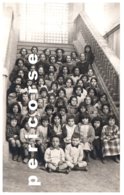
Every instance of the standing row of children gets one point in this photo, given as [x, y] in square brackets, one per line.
[75, 119]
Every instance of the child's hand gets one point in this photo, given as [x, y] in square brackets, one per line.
[60, 163]
[15, 136]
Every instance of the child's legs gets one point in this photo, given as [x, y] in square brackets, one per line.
[26, 152]
[63, 166]
[70, 164]
[18, 143]
[82, 164]
[51, 166]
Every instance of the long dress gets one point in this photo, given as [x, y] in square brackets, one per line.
[110, 140]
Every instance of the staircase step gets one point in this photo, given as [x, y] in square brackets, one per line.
[41, 46]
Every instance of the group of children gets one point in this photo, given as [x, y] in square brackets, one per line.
[75, 120]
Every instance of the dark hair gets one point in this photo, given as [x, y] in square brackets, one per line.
[80, 105]
[54, 115]
[75, 88]
[51, 57]
[34, 47]
[83, 116]
[43, 89]
[91, 88]
[22, 49]
[61, 70]
[44, 118]
[84, 75]
[62, 107]
[51, 94]
[24, 121]
[75, 53]
[73, 96]
[58, 100]
[15, 104]
[106, 105]
[94, 79]
[70, 116]
[61, 89]
[88, 47]
[70, 79]
[16, 63]
[90, 98]
[112, 117]
[60, 49]
[97, 119]
[75, 136]
[49, 107]
[46, 50]
[53, 67]
[54, 82]
[73, 70]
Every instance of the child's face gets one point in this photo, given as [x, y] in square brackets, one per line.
[20, 63]
[18, 81]
[85, 121]
[91, 93]
[60, 103]
[45, 123]
[54, 87]
[77, 72]
[57, 120]
[51, 68]
[25, 98]
[62, 112]
[87, 49]
[49, 112]
[44, 94]
[59, 53]
[23, 52]
[88, 100]
[55, 142]
[105, 109]
[42, 57]
[82, 57]
[94, 82]
[78, 91]
[51, 76]
[74, 55]
[52, 60]
[29, 83]
[15, 109]
[47, 52]
[60, 80]
[103, 98]
[97, 124]
[52, 99]
[61, 94]
[90, 72]
[18, 88]
[41, 70]
[13, 122]
[68, 59]
[65, 70]
[75, 141]
[34, 50]
[71, 122]
[32, 68]
[111, 122]
[21, 73]
[80, 82]
[84, 79]
[83, 109]
[40, 103]
[41, 81]
[68, 83]
[74, 101]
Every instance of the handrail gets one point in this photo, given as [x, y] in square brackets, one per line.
[106, 63]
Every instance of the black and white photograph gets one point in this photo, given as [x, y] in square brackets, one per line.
[60, 96]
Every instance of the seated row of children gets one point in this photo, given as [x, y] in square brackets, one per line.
[74, 115]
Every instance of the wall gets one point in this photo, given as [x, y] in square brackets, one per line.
[8, 48]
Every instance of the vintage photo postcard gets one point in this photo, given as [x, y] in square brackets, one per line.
[60, 96]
